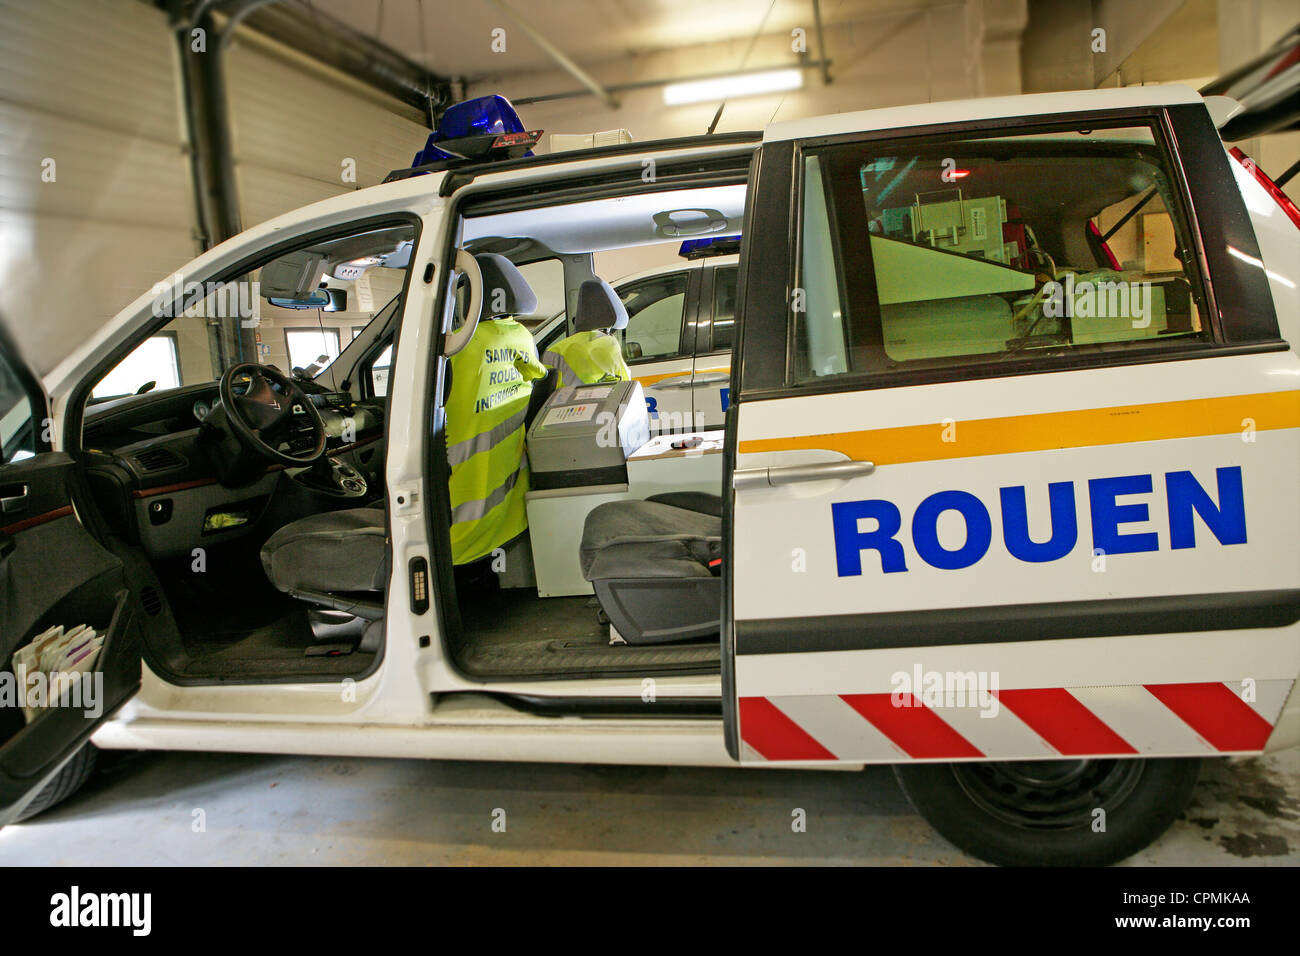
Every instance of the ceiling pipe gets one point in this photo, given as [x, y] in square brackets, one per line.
[556, 54]
[821, 43]
[333, 43]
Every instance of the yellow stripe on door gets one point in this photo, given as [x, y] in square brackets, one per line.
[1116, 425]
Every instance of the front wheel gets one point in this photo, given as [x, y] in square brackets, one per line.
[1051, 812]
[66, 782]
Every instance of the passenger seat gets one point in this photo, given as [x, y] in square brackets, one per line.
[655, 565]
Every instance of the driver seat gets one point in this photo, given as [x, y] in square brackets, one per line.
[338, 559]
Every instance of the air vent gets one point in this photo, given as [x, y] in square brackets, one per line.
[151, 600]
[158, 459]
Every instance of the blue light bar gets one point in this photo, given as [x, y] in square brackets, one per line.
[698, 248]
[482, 116]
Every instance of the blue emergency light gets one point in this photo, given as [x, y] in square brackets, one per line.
[476, 128]
[709, 246]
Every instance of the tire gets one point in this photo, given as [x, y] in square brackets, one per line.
[71, 778]
[1043, 813]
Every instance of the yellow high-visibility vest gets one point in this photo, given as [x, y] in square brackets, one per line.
[491, 381]
[586, 358]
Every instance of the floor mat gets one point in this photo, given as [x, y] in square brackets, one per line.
[275, 650]
[514, 633]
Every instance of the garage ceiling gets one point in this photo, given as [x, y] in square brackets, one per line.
[590, 31]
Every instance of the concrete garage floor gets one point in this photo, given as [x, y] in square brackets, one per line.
[262, 810]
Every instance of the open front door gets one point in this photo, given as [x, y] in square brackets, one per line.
[53, 572]
[1016, 449]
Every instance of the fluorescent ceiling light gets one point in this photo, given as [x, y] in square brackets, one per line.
[730, 87]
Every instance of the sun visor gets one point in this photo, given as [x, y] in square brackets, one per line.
[293, 276]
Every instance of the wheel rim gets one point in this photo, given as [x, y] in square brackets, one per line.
[1048, 794]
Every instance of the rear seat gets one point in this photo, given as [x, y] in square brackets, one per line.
[655, 565]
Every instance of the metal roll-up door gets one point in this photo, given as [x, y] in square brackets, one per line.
[294, 124]
[96, 202]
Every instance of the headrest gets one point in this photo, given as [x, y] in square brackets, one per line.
[599, 307]
[505, 290]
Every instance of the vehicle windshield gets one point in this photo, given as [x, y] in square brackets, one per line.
[297, 312]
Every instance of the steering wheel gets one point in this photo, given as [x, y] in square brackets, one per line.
[261, 416]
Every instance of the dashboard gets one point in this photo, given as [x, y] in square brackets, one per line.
[155, 482]
[123, 423]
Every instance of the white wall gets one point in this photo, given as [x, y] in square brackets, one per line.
[618, 263]
[94, 87]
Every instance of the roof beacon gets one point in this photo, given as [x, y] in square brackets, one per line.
[484, 128]
[709, 246]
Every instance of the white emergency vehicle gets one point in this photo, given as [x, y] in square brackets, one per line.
[1006, 494]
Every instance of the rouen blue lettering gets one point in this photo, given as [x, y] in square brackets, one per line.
[1015, 523]
[850, 542]
[925, 535]
[1227, 522]
[1187, 502]
[1108, 515]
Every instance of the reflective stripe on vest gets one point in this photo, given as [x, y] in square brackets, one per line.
[463, 451]
[567, 375]
[473, 510]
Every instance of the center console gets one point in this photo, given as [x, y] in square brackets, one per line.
[334, 477]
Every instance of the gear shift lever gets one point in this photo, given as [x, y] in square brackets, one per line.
[335, 477]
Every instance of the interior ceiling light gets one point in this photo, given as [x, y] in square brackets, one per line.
[732, 87]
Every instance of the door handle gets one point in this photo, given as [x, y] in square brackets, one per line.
[677, 381]
[11, 503]
[790, 474]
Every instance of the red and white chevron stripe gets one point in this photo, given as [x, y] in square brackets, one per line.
[1167, 720]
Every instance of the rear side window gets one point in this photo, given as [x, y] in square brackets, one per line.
[724, 307]
[546, 278]
[973, 251]
[654, 309]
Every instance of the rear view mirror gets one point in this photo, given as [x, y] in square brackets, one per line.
[338, 300]
[631, 350]
[327, 300]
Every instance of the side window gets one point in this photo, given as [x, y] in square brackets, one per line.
[977, 250]
[17, 421]
[379, 372]
[654, 310]
[154, 363]
[724, 307]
